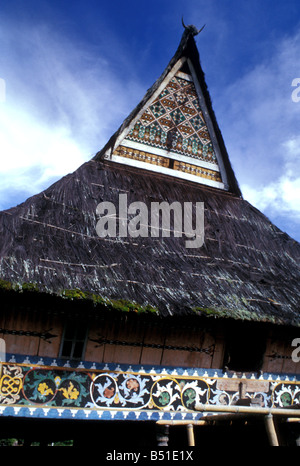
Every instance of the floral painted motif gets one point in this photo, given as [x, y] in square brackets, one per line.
[27, 385]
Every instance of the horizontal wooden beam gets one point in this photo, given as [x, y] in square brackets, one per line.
[247, 410]
[181, 423]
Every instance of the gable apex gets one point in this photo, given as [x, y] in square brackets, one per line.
[173, 130]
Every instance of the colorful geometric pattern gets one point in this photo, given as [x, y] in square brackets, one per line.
[197, 171]
[142, 156]
[159, 393]
[174, 122]
[161, 161]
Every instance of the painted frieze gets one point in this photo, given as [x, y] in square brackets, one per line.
[51, 388]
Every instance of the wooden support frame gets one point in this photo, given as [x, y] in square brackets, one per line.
[163, 439]
[268, 414]
[190, 434]
[247, 410]
[272, 435]
[231, 413]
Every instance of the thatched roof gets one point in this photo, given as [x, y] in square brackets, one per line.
[247, 268]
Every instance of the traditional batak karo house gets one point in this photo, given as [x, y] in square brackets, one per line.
[139, 336]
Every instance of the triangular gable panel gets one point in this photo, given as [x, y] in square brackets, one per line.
[172, 133]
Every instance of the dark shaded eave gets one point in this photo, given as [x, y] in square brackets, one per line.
[188, 49]
[75, 302]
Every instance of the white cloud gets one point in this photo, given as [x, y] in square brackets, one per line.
[281, 196]
[34, 153]
[62, 104]
[63, 101]
[260, 123]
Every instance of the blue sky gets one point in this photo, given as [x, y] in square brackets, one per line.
[71, 71]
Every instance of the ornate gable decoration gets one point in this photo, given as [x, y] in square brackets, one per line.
[172, 133]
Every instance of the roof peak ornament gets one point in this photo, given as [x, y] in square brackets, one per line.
[192, 29]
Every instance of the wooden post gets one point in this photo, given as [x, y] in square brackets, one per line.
[162, 435]
[190, 433]
[269, 423]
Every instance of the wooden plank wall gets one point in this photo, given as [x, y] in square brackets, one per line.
[164, 338]
[119, 329]
[13, 320]
[278, 355]
[143, 333]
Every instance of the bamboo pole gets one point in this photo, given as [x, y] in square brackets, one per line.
[191, 437]
[269, 423]
[292, 415]
[247, 410]
[181, 423]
